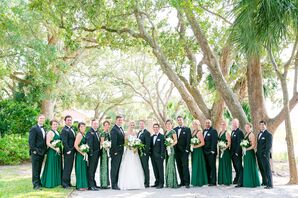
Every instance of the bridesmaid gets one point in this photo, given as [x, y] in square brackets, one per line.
[250, 172]
[225, 165]
[81, 164]
[104, 160]
[171, 176]
[51, 176]
[199, 172]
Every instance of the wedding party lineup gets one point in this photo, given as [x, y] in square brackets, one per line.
[181, 156]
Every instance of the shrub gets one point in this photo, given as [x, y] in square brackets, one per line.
[16, 117]
[14, 149]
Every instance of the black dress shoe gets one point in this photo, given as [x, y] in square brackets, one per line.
[37, 188]
[155, 185]
[238, 186]
[187, 186]
[93, 188]
[159, 187]
[146, 186]
[268, 187]
[97, 187]
[181, 185]
[263, 184]
[115, 188]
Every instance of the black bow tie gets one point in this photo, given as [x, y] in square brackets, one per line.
[154, 135]
[41, 127]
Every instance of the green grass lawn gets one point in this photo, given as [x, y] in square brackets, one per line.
[16, 183]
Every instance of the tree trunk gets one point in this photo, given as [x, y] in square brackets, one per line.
[255, 92]
[289, 134]
[47, 108]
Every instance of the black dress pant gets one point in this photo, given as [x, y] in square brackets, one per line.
[237, 164]
[115, 166]
[145, 164]
[67, 169]
[36, 161]
[211, 167]
[93, 163]
[158, 169]
[182, 166]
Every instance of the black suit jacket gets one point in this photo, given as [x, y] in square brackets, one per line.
[183, 141]
[264, 145]
[210, 138]
[236, 137]
[36, 141]
[93, 141]
[145, 137]
[68, 139]
[117, 141]
[158, 149]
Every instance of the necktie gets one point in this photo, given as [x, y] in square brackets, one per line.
[43, 132]
[179, 131]
[121, 130]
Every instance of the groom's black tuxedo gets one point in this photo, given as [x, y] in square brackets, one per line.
[182, 152]
[37, 143]
[93, 141]
[157, 158]
[210, 151]
[145, 137]
[263, 155]
[68, 139]
[236, 152]
[117, 149]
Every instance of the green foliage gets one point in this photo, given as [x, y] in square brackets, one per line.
[16, 117]
[14, 149]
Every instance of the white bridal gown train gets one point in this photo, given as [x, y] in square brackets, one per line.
[131, 174]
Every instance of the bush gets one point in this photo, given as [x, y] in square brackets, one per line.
[16, 117]
[14, 149]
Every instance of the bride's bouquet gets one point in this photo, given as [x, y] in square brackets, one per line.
[222, 145]
[244, 144]
[58, 145]
[84, 148]
[133, 143]
[107, 145]
[169, 143]
[194, 141]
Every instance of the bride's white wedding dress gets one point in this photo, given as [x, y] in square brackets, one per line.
[131, 174]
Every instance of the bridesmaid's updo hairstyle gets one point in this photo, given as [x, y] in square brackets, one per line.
[249, 124]
[53, 121]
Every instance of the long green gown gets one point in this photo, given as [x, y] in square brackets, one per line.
[225, 164]
[81, 168]
[171, 175]
[198, 165]
[104, 164]
[250, 171]
[51, 176]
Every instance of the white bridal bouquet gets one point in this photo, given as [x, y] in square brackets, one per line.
[168, 143]
[135, 144]
[244, 144]
[58, 145]
[222, 145]
[107, 145]
[194, 141]
[84, 148]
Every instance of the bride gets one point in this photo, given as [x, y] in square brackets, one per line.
[131, 174]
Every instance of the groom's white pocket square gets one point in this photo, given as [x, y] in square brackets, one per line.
[208, 134]
[158, 140]
[183, 133]
[263, 138]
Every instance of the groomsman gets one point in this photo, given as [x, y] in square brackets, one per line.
[93, 141]
[145, 137]
[117, 149]
[68, 138]
[157, 156]
[182, 149]
[263, 154]
[210, 151]
[37, 143]
[236, 152]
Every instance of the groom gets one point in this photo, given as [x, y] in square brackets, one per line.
[145, 137]
[117, 148]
